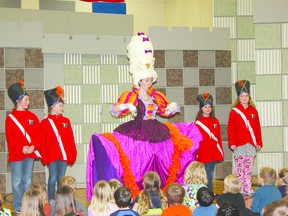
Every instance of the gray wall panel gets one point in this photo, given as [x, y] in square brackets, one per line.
[65, 22]
[267, 11]
[85, 44]
[181, 38]
[57, 5]
[21, 34]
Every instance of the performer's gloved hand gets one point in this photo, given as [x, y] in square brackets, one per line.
[171, 108]
[129, 106]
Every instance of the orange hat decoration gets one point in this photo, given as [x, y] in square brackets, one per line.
[204, 99]
[54, 96]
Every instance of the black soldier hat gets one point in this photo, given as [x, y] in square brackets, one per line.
[242, 86]
[204, 99]
[17, 91]
[54, 96]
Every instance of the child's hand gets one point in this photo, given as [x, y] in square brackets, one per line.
[258, 148]
[233, 147]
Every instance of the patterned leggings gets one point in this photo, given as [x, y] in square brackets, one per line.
[243, 170]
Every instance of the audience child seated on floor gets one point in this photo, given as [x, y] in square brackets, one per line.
[228, 209]
[195, 177]
[205, 198]
[70, 182]
[232, 188]
[100, 203]
[267, 193]
[276, 208]
[32, 203]
[114, 184]
[123, 199]
[65, 202]
[42, 189]
[151, 197]
[175, 195]
[283, 181]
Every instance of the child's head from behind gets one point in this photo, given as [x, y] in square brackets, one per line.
[114, 184]
[283, 176]
[151, 181]
[228, 209]
[123, 197]
[151, 184]
[42, 189]
[69, 181]
[195, 173]
[175, 194]
[232, 184]
[205, 196]
[267, 176]
[101, 197]
[32, 203]
[65, 200]
[276, 208]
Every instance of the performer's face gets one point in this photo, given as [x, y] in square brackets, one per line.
[206, 110]
[146, 83]
[23, 103]
[244, 98]
[58, 109]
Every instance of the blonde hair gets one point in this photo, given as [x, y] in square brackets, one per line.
[283, 174]
[42, 189]
[68, 181]
[100, 198]
[65, 201]
[114, 184]
[32, 203]
[151, 182]
[195, 173]
[251, 103]
[268, 174]
[232, 184]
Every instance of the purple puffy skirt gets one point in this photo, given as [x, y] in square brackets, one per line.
[147, 144]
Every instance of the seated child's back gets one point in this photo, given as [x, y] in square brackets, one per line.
[268, 192]
[205, 198]
[175, 195]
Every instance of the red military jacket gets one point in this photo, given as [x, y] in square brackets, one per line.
[51, 148]
[209, 151]
[238, 133]
[16, 140]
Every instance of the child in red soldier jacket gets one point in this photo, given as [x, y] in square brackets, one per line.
[22, 133]
[211, 150]
[244, 135]
[58, 144]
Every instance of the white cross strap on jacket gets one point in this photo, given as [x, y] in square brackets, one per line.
[211, 135]
[21, 128]
[58, 138]
[247, 123]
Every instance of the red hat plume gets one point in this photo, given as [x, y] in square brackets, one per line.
[59, 92]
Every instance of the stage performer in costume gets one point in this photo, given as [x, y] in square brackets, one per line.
[211, 150]
[23, 138]
[143, 144]
[58, 145]
[244, 135]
